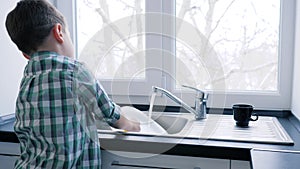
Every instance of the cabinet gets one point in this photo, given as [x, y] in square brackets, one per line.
[9, 153]
[130, 160]
[236, 164]
[7, 162]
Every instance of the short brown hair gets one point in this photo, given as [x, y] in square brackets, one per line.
[30, 22]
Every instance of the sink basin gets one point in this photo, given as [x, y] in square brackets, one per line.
[158, 124]
[214, 127]
[173, 124]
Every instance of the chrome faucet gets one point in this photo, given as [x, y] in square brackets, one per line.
[200, 101]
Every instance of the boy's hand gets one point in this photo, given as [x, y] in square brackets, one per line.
[129, 125]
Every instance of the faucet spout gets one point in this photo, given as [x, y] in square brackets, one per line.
[178, 101]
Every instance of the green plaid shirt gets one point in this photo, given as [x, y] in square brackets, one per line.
[58, 104]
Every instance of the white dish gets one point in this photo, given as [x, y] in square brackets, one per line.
[148, 126]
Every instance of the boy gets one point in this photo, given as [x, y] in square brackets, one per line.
[58, 99]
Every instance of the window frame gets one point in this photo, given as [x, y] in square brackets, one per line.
[280, 100]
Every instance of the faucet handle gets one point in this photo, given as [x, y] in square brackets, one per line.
[200, 93]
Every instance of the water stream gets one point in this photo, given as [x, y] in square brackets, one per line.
[151, 106]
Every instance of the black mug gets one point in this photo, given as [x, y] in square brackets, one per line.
[242, 114]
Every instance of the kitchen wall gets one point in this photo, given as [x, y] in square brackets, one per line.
[11, 64]
[296, 83]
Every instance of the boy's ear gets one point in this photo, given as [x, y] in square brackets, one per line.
[58, 33]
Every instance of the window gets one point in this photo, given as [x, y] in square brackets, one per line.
[238, 51]
[109, 41]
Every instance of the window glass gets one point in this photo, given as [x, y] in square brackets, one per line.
[238, 44]
[238, 51]
[108, 39]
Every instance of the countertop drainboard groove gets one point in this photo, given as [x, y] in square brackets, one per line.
[265, 130]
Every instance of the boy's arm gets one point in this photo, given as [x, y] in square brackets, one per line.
[98, 102]
[124, 123]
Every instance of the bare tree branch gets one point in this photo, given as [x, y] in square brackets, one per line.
[234, 70]
[116, 30]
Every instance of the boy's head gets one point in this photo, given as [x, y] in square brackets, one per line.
[31, 22]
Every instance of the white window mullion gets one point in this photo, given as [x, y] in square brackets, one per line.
[169, 44]
[153, 42]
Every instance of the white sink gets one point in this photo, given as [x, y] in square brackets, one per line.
[172, 123]
[215, 127]
[222, 127]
